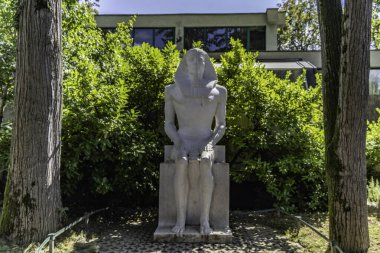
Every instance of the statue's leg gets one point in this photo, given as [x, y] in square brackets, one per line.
[206, 183]
[181, 188]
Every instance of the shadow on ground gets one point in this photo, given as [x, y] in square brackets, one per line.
[123, 230]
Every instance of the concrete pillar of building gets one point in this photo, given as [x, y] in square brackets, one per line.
[271, 37]
[179, 36]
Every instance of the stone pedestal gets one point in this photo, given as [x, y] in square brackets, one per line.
[219, 211]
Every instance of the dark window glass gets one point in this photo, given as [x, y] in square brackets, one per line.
[238, 33]
[141, 35]
[157, 37]
[374, 82]
[191, 35]
[256, 39]
[108, 29]
[216, 40]
[163, 36]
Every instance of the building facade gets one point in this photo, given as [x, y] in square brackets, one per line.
[257, 31]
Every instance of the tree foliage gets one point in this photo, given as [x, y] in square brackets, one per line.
[301, 30]
[274, 130]
[113, 100]
[7, 52]
[375, 32]
[113, 134]
[373, 146]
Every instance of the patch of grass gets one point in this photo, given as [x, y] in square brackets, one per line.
[308, 239]
[72, 241]
[374, 233]
[374, 190]
[78, 242]
[8, 247]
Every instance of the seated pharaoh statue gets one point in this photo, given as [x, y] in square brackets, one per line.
[196, 100]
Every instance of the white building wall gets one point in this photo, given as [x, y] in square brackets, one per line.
[271, 38]
[271, 20]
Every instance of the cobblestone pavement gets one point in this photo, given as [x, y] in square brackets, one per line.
[136, 235]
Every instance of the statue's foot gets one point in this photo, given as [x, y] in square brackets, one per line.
[205, 228]
[178, 229]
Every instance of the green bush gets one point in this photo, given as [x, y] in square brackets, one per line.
[274, 130]
[113, 134]
[374, 190]
[113, 115]
[112, 131]
[373, 147]
[5, 144]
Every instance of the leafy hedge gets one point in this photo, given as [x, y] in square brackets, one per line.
[113, 133]
[113, 136]
[373, 147]
[113, 98]
[274, 130]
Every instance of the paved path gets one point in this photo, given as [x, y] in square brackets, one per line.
[134, 233]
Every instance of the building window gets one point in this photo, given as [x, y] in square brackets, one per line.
[374, 82]
[217, 39]
[108, 29]
[256, 39]
[141, 36]
[238, 33]
[163, 36]
[157, 37]
[374, 94]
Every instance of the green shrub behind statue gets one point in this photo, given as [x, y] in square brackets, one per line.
[113, 98]
[274, 130]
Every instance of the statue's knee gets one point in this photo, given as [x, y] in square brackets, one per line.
[205, 161]
[181, 162]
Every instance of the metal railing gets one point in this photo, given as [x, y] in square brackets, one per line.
[51, 237]
[333, 245]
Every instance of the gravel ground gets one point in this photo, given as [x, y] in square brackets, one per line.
[132, 231]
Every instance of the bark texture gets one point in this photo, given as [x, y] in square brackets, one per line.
[345, 58]
[32, 200]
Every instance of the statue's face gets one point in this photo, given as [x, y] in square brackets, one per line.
[196, 65]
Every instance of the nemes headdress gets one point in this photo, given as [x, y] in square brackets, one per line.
[208, 81]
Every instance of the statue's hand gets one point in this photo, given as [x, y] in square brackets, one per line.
[180, 148]
[209, 147]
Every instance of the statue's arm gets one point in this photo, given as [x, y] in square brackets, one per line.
[220, 117]
[170, 127]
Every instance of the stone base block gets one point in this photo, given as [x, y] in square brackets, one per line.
[219, 210]
[191, 234]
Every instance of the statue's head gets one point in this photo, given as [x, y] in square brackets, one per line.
[195, 61]
[195, 68]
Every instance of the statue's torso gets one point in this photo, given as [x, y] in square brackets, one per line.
[195, 115]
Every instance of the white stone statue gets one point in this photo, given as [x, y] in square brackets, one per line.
[196, 100]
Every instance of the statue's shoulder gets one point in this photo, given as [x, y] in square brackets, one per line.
[222, 92]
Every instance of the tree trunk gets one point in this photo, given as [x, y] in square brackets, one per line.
[32, 200]
[345, 60]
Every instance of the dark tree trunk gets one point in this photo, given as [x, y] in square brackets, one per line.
[32, 199]
[345, 60]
